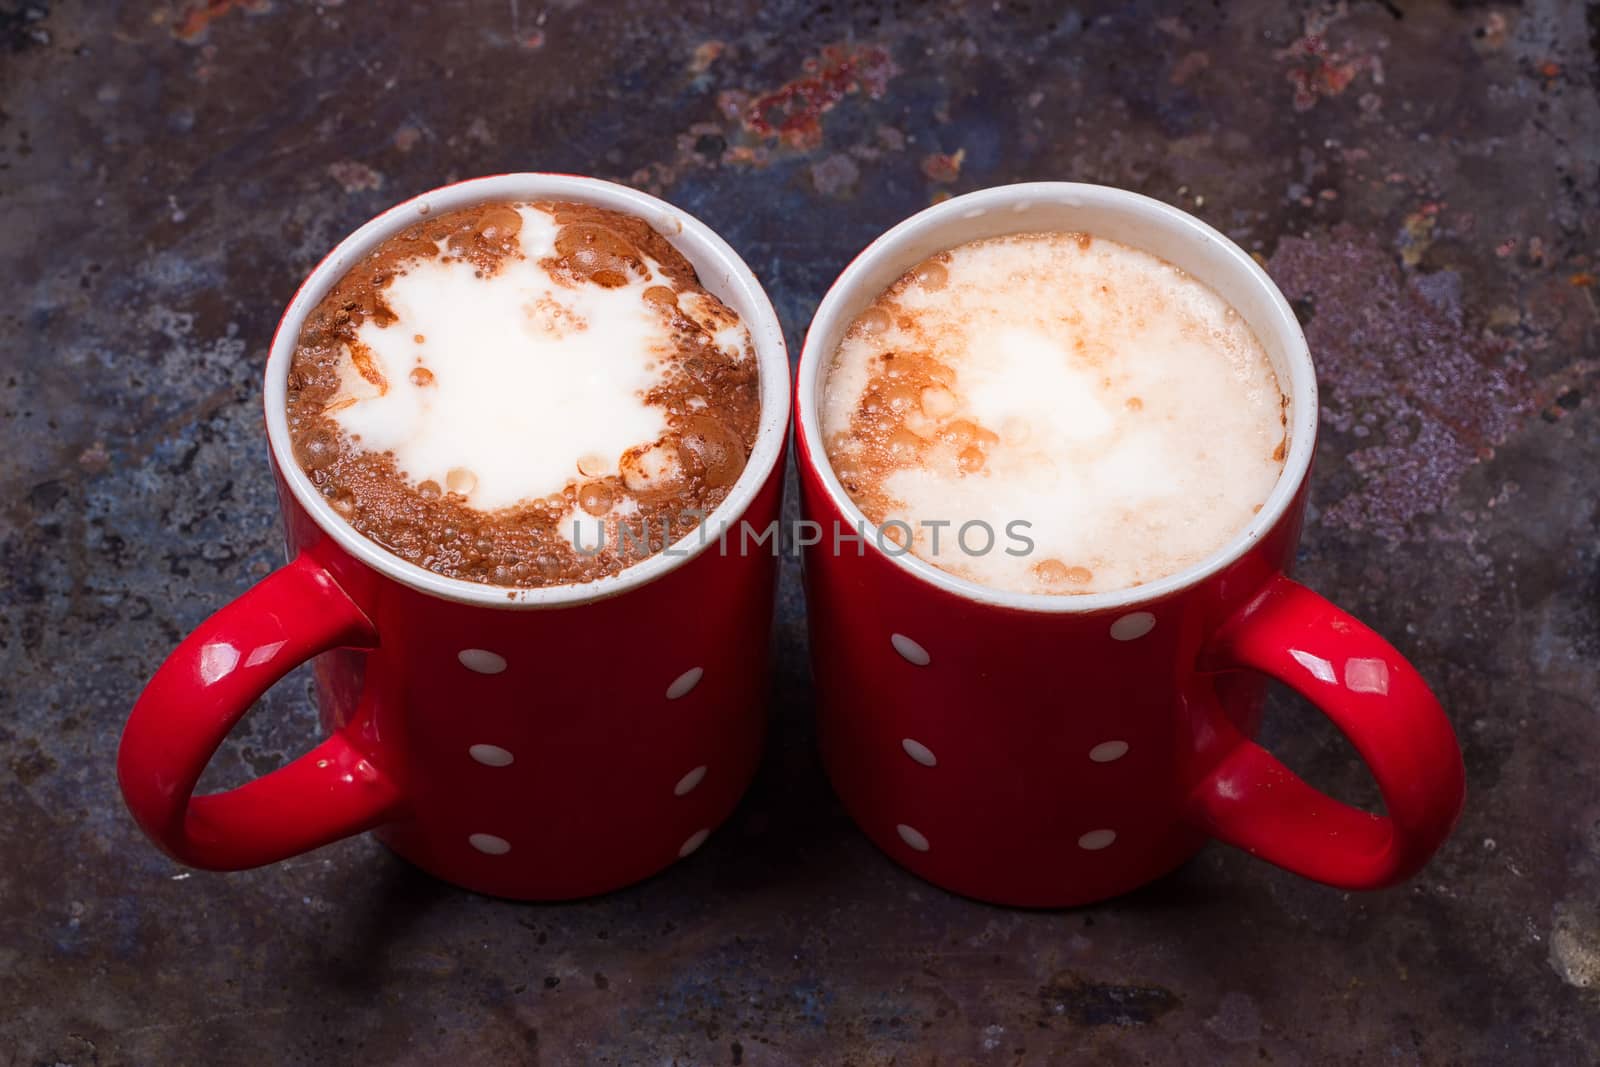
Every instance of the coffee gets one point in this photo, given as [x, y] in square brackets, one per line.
[1093, 417]
[524, 394]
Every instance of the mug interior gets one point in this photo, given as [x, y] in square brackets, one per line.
[1131, 219]
[722, 272]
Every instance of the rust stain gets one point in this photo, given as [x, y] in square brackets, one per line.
[354, 177]
[753, 129]
[1490, 35]
[792, 113]
[1187, 67]
[197, 17]
[95, 458]
[705, 54]
[1414, 396]
[1416, 236]
[940, 167]
[1320, 69]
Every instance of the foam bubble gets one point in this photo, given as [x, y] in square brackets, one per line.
[1120, 408]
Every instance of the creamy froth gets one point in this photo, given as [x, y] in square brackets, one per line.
[1120, 410]
[524, 375]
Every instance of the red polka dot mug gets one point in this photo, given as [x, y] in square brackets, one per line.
[537, 744]
[1055, 750]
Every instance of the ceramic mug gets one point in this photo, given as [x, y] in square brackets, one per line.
[1055, 750]
[531, 743]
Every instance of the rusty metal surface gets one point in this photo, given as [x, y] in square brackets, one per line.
[1420, 177]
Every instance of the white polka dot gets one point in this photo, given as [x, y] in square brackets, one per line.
[975, 213]
[919, 752]
[911, 836]
[1131, 627]
[481, 660]
[494, 846]
[1095, 840]
[696, 839]
[913, 652]
[491, 755]
[1108, 751]
[685, 682]
[1022, 205]
[689, 781]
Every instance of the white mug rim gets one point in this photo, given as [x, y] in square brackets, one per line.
[1302, 391]
[675, 224]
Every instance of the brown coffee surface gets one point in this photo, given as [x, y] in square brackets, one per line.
[645, 499]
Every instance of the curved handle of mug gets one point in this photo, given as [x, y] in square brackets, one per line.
[1382, 705]
[204, 688]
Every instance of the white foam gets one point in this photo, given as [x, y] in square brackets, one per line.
[1050, 343]
[719, 322]
[589, 534]
[529, 375]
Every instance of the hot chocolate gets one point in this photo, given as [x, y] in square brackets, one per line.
[524, 394]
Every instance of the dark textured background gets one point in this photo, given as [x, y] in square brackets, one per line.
[1421, 178]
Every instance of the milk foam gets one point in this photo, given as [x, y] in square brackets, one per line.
[528, 375]
[1121, 408]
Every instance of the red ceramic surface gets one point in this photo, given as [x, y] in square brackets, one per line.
[1050, 751]
[539, 744]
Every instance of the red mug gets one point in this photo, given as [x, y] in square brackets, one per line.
[1045, 750]
[530, 743]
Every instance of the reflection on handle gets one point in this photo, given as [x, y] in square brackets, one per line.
[199, 694]
[1381, 704]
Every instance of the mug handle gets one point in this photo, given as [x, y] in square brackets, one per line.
[205, 687]
[1250, 800]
